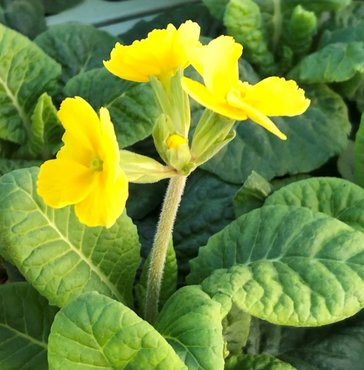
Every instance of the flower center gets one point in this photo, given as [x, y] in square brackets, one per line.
[175, 140]
[97, 164]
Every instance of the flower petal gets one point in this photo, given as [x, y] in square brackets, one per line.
[275, 96]
[81, 124]
[220, 64]
[105, 203]
[62, 182]
[203, 96]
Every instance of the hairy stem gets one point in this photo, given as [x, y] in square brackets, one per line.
[159, 251]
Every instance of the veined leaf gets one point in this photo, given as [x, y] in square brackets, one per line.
[336, 197]
[132, 106]
[359, 154]
[313, 138]
[60, 257]
[76, 47]
[191, 323]
[25, 321]
[285, 265]
[94, 331]
[25, 73]
[258, 362]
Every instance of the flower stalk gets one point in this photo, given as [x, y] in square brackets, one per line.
[160, 245]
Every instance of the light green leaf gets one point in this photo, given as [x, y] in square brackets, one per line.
[76, 47]
[132, 106]
[94, 331]
[336, 197]
[313, 138]
[359, 154]
[169, 282]
[25, 73]
[252, 194]
[24, 16]
[336, 62]
[207, 206]
[59, 256]
[45, 132]
[258, 362]
[285, 265]
[25, 321]
[191, 323]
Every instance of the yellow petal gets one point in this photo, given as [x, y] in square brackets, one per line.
[105, 203]
[275, 96]
[62, 183]
[81, 123]
[255, 115]
[161, 54]
[203, 96]
[219, 64]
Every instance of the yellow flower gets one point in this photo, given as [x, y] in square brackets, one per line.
[86, 172]
[161, 54]
[225, 94]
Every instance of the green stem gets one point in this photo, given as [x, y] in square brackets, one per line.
[161, 240]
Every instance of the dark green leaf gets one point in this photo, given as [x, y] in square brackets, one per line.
[76, 47]
[25, 321]
[56, 6]
[313, 138]
[258, 362]
[94, 331]
[359, 154]
[59, 256]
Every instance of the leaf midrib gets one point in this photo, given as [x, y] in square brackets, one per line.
[23, 335]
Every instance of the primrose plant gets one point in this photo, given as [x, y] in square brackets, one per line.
[269, 263]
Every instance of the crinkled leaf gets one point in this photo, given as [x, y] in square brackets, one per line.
[25, 321]
[59, 256]
[336, 197]
[252, 194]
[45, 132]
[257, 362]
[359, 154]
[313, 138]
[76, 47]
[207, 206]
[24, 16]
[191, 323]
[94, 331]
[285, 265]
[25, 73]
[335, 62]
[132, 106]
[169, 281]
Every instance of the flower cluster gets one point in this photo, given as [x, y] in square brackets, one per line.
[91, 173]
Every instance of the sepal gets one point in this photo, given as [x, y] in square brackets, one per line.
[142, 169]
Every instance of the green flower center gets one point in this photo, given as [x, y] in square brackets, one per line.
[97, 164]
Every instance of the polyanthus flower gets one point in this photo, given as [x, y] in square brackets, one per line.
[86, 172]
[161, 54]
[225, 94]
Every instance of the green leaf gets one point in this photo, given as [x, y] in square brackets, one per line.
[313, 138]
[359, 154]
[285, 265]
[216, 7]
[8, 165]
[319, 6]
[132, 106]
[94, 331]
[335, 197]
[258, 362]
[343, 34]
[333, 63]
[252, 194]
[56, 6]
[207, 206]
[76, 47]
[24, 16]
[191, 323]
[346, 163]
[25, 73]
[45, 132]
[169, 282]
[59, 256]
[334, 347]
[350, 15]
[25, 321]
